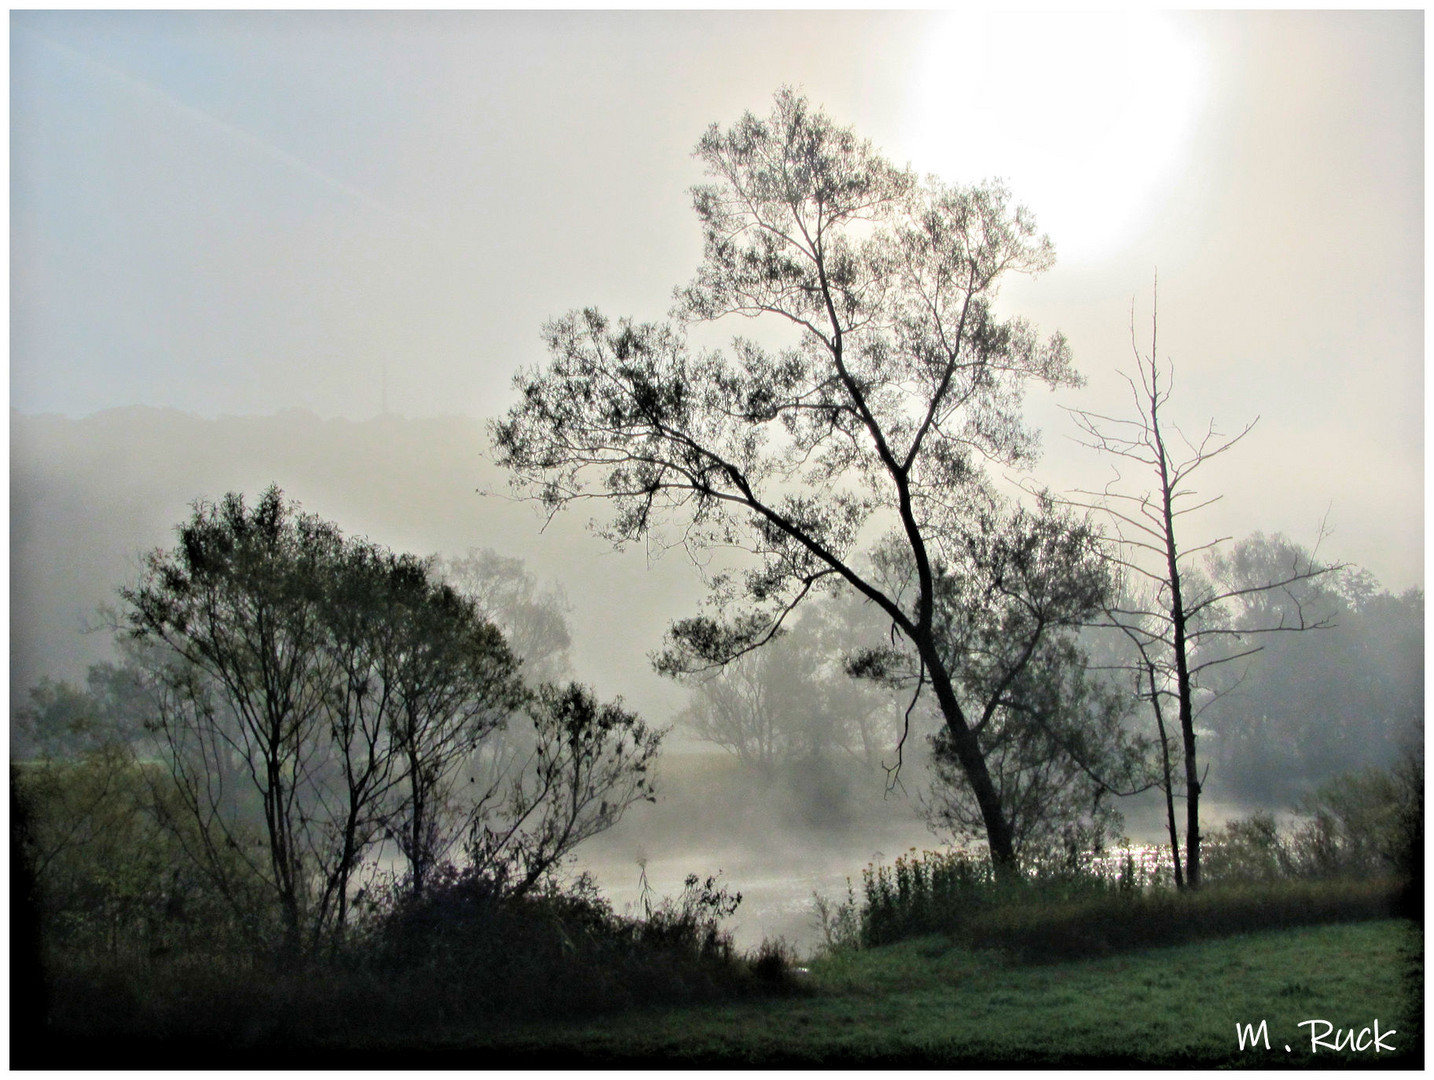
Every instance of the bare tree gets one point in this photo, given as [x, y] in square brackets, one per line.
[1177, 619]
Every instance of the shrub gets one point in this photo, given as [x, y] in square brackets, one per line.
[941, 892]
[692, 923]
[1364, 823]
[1249, 850]
[105, 840]
[466, 955]
[839, 922]
[1107, 905]
[558, 952]
[774, 964]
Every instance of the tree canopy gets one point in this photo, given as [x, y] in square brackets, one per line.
[317, 698]
[873, 426]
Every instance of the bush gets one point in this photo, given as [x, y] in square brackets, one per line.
[1364, 823]
[105, 838]
[465, 956]
[839, 922]
[941, 892]
[774, 964]
[562, 952]
[1249, 850]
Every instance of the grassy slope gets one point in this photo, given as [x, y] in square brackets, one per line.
[922, 1002]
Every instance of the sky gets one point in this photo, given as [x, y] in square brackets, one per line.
[350, 213]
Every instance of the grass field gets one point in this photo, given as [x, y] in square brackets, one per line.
[924, 1002]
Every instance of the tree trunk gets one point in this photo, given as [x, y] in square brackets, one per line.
[1192, 796]
[1168, 781]
[999, 837]
[1180, 643]
[1187, 721]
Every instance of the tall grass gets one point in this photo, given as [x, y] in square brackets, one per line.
[931, 891]
[1061, 909]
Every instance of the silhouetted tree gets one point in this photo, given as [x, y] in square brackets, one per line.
[334, 680]
[902, 382]
[533, 620]
[316, 697]
[1052, 733]
[239, 602]
[591, 761]
[1177, 620]
[454, 682]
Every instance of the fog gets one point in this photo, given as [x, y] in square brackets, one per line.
[312, 249]
[88, 497]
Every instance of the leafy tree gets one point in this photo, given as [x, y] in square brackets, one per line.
[1307, 709]
[738, 709]
[60, 720]
[1058, 753]
[901, 384]
[360, 776]
[316, 697]
[792, 702]
[590, 763]
[533, 621]
[1365, 822]
[239, 602]
[332, 679]
[58, 717]
[1052, 732]
[454, 682]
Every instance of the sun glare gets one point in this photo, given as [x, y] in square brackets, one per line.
[1086, 115]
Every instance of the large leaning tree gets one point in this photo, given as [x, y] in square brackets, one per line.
[899, 385]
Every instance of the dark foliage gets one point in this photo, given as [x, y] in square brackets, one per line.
[1356, 852]
[1140, 920]
[485, 954]
[1062, 912]
[465, 956]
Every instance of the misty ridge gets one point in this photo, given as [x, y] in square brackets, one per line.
[90, 496]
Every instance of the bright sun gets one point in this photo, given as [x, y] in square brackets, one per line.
[1085, 115]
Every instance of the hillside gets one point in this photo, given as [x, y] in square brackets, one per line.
[88, 496]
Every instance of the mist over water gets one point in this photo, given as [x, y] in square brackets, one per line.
[88, 496]
[778, 861]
